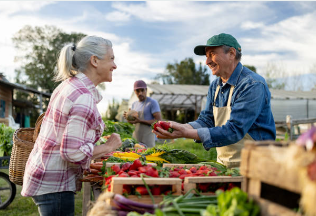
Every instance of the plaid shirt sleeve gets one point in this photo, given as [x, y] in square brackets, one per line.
[77, 142]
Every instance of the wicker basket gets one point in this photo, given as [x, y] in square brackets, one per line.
[23, 142]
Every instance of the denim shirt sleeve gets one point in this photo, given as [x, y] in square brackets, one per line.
[246, 107]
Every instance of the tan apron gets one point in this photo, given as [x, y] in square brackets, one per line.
[228, 155]
[143, 132]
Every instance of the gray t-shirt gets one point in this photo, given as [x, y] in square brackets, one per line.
[151, 107]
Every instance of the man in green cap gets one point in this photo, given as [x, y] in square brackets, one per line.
[238, 104]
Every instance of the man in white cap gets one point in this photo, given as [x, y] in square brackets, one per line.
[148, 112]
[238, 104]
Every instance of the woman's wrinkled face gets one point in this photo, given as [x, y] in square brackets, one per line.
[107, 66]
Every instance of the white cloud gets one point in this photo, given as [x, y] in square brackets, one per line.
[252, 25]
[11, 7]
[117, 16]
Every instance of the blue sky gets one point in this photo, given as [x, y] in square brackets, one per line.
[146, 36]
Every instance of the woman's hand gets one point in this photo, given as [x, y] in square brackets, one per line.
[114, 142]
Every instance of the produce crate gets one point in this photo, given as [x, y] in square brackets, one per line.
[191, 182]
[118, 182]
[170, 165]
[267, 180]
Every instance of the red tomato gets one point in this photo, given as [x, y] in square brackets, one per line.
[141, 190]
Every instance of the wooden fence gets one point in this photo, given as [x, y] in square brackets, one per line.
[293, 126]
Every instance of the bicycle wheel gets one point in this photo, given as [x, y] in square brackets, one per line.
[7, 190]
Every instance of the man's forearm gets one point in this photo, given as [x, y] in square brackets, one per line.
[147, 122]
[192, 134]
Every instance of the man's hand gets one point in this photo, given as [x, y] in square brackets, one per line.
[178, 131]
[125, 113]
[137, 120]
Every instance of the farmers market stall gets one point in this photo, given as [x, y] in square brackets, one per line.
[278, 178]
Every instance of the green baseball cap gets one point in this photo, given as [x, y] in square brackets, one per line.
[218, 40]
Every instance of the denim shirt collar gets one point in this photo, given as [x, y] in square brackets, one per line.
[234, 77]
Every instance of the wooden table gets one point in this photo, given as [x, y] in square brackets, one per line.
[90, 193]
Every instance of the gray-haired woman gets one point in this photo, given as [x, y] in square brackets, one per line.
[70, 128]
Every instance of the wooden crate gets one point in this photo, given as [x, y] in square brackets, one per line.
[191, 182]
[118, 182]
[274, 187]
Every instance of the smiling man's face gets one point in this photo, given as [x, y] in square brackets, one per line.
[217, 60]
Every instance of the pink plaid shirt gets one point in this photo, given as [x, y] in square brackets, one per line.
[64, 147]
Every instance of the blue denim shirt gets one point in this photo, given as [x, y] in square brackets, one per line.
[250, 110]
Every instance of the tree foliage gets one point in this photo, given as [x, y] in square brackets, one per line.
[251, 67]
[112, 110]
[185, 72]
[38, 52]
[272, 71]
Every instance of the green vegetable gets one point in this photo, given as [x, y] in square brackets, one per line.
[234, 202]
[6, 139]
[125, 130]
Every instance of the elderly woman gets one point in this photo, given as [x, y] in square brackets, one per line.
[70, 128]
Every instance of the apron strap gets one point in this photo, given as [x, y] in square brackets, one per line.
[216, 93]
[142, 113]
[229, 97]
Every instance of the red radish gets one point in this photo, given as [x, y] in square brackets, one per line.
[116, 168]
[126, 166]
[141, 190]
[155, 190]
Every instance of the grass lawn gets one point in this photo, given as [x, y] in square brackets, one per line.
[26, 207]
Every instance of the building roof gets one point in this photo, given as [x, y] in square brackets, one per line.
[23, 88]
[190, 96]
[174, 89]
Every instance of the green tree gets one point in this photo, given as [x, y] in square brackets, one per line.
[39, 48]
[251, 67]
[272, 71]
[184, 72]
[112, 110]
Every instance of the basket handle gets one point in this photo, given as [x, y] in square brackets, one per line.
[38, 124]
